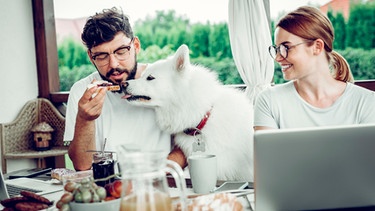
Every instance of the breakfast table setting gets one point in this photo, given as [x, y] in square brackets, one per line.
[147, 181]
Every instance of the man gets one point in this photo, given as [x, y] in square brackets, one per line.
[97, 118]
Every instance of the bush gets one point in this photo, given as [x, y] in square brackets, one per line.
[361, 62]
[69, 76]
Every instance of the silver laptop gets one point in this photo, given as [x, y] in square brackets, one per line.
[10, 188]
[315, 168]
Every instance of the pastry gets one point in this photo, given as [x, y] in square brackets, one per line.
[214, 202]
[59, 172]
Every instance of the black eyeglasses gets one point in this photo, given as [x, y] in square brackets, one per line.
[283, 49]
[122, 53]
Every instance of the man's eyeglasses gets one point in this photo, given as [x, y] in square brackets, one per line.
[283, 49]
[122, 53]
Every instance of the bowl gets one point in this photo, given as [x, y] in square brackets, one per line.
[97, 206]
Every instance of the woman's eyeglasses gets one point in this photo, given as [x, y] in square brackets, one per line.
[283, 49]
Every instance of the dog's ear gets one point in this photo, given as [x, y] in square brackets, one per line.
[182, 58]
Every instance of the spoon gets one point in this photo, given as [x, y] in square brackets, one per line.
[105, 142]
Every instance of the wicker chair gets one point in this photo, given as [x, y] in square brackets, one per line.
[17, 139]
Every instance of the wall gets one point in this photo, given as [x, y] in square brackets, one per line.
[18, 82]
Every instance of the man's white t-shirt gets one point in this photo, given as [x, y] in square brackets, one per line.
[282, 107]
[119, 122]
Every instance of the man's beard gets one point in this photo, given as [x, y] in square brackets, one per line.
[131, 75]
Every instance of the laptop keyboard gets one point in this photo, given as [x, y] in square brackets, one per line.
[15, 190]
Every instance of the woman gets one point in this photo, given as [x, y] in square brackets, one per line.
[320, 91]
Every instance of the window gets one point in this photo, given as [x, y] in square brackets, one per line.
[47, 65]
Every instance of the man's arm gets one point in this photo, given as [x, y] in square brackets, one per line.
[89, 109]
[84, 139]
[178, 156]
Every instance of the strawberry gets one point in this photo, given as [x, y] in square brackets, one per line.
[114, 188]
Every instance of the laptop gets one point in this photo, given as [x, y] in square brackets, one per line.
[315, 168]
[10, 188]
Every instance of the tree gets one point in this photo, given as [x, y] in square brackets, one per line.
[360, 28]
[339, 26]
[200, 40]
[72, 53]
[162, 29]
[219, 45]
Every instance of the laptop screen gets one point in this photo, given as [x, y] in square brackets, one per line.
[315, 168]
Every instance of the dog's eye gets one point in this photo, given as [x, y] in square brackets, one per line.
[150, 78]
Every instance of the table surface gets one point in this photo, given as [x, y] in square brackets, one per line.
[247, 201]
[173, 193]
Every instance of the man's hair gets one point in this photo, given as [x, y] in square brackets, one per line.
[102, 27]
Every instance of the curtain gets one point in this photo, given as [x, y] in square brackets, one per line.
[250, 36]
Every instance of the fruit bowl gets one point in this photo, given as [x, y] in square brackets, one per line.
[98, 206]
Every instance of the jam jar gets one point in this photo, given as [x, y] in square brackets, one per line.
[103, 166]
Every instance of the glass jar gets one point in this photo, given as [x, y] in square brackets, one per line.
[103, 166]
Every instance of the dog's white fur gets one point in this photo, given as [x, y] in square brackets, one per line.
[181, 94]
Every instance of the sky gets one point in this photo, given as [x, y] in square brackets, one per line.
[196, 10]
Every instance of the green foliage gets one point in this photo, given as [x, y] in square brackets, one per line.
[199, 40]
[154, 53]
[70, 75]
[163, 29]
[219, 45]
[339, 26]
[278, 75]
[360, 27]
[361, 62]
[225, 68]
[72, 53]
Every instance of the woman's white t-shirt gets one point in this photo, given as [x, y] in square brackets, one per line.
[282, 107]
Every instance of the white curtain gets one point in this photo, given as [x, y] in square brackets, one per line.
[250, 36]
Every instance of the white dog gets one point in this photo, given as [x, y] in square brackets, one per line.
[186, 97]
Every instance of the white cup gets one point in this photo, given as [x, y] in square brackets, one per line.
[203, 174]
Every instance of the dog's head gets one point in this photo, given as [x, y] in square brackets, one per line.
[159, 82]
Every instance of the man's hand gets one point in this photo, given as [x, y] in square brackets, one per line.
[91, 103]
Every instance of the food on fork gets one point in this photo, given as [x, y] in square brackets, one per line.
[103, 84]
[106, 84]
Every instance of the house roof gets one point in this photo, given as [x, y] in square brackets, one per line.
[342, 6]
[69, 28]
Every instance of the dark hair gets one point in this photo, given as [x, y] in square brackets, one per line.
[310, 23]
[102, 27]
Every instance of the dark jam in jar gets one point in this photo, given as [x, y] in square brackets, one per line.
[102, 167]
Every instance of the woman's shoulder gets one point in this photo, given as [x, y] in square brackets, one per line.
[277, 92]
[357, 93]
[358, 90]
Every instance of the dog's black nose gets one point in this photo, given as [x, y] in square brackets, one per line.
[123, 86]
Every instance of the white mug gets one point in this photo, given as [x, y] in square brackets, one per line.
[203, 174]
